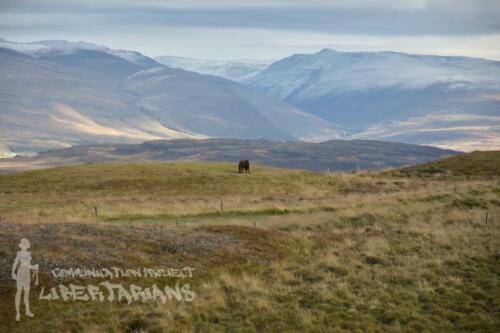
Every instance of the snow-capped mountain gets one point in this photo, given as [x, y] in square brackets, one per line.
[46, 47]
[57, 94]
[64, 93]
[445, 101]
[237, 70]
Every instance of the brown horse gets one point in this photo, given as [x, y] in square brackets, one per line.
[244, 166]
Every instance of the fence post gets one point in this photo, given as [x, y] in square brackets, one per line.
[487, 217]
[221, 207]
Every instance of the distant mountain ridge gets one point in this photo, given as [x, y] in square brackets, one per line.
[335, 155]
[57, 94]
[438, 100]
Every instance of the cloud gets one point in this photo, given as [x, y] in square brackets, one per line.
[211, 4]
[382, 20]
[368, 17]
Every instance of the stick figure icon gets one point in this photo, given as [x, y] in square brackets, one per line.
[21, 272]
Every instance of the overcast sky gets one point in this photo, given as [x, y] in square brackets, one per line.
[264, 29]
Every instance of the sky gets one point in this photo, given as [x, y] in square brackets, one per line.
[261, 29]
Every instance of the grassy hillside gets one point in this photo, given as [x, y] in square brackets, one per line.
[126, 191]
[290, 251]
[477, 164]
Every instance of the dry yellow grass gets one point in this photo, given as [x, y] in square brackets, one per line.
[293, 251]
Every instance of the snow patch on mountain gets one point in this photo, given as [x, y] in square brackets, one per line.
[236, 70]
[309, 76]
[40, 48]
[393, 96]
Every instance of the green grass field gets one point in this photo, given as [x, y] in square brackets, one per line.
[273, 251]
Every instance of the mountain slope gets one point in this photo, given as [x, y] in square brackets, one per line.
[60, 97]
[221, 108]
[445, 101]
[45, 105]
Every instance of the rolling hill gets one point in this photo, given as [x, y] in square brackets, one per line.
[478, 164]
[335, 155]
